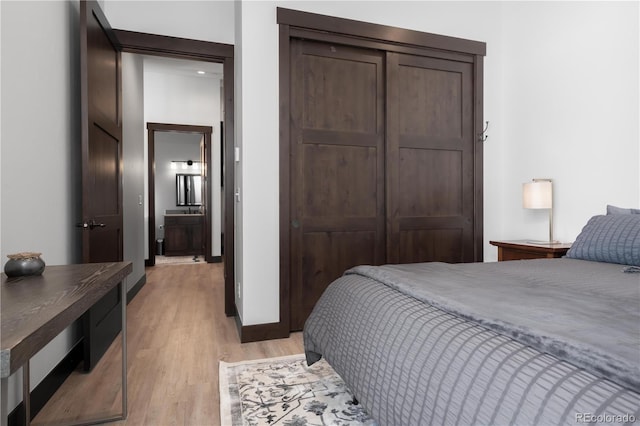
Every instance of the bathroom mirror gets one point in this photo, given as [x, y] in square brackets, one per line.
[188, 190]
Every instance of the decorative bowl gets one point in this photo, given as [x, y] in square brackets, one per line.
[23, 264]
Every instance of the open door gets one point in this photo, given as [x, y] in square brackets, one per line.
[101, 146]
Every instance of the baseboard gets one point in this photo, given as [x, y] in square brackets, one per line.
[214, 259]
[256, 333]
[48, 386]
[136, 288]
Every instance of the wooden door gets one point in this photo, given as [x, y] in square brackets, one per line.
[430, 160]
[336, 167]
[101, 146]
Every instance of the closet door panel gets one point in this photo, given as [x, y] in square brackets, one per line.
[431, 102]
[340, 90]
[328, 255]
[430, 165]
[336, 167]
[429, 160]
[437, 245]
[341, 181]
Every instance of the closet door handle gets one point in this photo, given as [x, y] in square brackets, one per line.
[295, 223]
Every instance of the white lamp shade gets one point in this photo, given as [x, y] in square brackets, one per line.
[537, 195]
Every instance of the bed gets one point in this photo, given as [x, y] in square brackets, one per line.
[545, 341]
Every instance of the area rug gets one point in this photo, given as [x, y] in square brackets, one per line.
[285, 391]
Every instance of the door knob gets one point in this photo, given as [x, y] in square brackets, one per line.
[295, 223]
[90, 225]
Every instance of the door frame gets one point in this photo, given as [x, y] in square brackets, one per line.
[197, 50]
[311, 26]
[205, 131]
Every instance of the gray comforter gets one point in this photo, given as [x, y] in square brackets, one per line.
[523, 342]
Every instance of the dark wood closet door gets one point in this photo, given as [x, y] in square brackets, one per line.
[337, 167]
[430, 167]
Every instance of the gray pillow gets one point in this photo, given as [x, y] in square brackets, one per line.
[613, 239]
[619, 210]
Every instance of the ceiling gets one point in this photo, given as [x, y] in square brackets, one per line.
[173, 66]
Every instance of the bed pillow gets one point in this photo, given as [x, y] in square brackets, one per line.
[619, 210]
[613, 238]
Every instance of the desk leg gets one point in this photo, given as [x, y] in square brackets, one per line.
[4, 408]
[123, 292]
[26, 395]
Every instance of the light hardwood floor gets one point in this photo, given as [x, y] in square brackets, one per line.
[177, 333]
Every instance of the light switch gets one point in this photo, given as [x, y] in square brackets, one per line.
[237, 153]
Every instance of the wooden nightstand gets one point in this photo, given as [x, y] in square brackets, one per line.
[522, 249]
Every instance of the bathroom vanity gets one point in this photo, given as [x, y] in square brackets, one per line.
[183, 234]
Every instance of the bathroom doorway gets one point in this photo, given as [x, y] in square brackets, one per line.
[183, 195]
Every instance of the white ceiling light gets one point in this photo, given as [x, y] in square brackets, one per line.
[201, 72]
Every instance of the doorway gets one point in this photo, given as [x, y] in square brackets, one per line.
[180, 207]
[171, 47]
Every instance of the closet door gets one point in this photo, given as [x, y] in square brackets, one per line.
[336, 167]
[430, 166]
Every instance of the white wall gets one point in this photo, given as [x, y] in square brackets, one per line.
[40, 148]
[571, 95]
[237, 118]
[199, 20]
[1, 144]
[193, 100]
[134, 166]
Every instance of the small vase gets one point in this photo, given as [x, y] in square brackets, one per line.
[23, 264]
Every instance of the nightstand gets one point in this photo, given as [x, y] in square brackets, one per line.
[522, 249]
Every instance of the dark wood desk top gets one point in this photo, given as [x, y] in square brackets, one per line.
[35, 309]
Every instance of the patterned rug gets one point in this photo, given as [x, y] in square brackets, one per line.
[284, 391]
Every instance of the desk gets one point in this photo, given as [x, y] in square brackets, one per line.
[35, 309]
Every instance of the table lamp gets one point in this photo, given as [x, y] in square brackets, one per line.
[538, 194]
